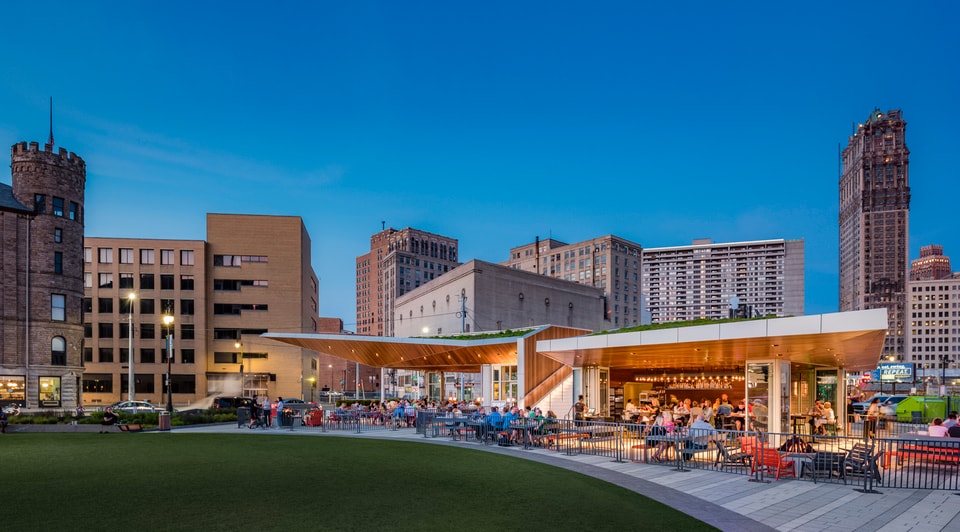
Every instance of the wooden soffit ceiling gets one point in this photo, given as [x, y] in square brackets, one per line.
[852, 340]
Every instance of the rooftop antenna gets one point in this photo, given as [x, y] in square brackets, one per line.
[383, 225]
[50, 140]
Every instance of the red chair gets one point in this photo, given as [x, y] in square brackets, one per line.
[772, 462]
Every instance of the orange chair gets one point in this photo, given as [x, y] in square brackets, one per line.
[772, 462]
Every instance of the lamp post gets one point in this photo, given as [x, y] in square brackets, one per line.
[943, 374]
[168, 324]
[239, 345]
[131, 380]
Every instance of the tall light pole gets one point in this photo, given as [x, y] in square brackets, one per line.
[239, 345]
[131, 380]
[168, 324]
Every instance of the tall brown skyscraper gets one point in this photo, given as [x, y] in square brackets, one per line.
[874, 222]
[398, 262]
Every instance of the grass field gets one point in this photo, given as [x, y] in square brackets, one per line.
[155, 481]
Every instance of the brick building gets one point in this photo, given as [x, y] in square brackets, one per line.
[41, 277]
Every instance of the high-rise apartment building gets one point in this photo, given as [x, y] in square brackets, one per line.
[41, 277]
[251, 275]
[707, 280]
[932, 264]
[932, 337]
[874, 222]
[398, 262]
[608, 262]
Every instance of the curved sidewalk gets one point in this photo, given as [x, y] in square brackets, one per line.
[726, 501]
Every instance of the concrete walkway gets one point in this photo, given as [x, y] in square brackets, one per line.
[726, 501]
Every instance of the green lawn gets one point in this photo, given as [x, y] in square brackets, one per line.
[155, 481]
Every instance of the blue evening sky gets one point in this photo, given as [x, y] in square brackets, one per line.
[491, 122]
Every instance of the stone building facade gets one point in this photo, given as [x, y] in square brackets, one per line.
[41, 277]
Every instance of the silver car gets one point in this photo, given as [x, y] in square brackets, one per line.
[135, 407]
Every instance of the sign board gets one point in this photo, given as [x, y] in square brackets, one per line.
[896, 372]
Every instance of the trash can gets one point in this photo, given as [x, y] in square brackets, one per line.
[286, 418]
[243, 416]
[163, 421]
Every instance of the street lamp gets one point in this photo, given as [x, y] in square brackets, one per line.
[131, 381]
[168, 324]
[239, 345]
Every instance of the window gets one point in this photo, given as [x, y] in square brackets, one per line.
[220, 357]
[146, 281]
[105, 305]
[87, 255]
[504, 382]
[186, 257]
[187, 356]
[166, 306]
[105, 354]
[88, 354]
[147, 256]
[124, 334]
[186, 331]
[183, 384]
[86, 305]
[147, 331]
[186, 282]
[57, 235]
[58, 307]
[88, 330]
[186, 307]
[58, 351]
[74, 210]
[166, 257]
[126, 255]
[57, 206]
[49, 388]
[40, 204]
[105, 255]
[226, 260]
[126, 280]
[106, 280]
[97, 383]
[148, 355]
[146, 306]
[58, 263]
[105, 330]
[166, 281]
[87, 280]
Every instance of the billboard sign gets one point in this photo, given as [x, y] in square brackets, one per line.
[896, 372]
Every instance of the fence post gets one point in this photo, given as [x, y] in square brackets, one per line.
[757, 466]
[868, 470]
[619, 434]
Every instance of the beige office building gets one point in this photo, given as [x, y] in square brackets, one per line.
[251, 275]
[609, 263]
[709, 280]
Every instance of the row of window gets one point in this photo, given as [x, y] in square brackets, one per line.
[147, 256]
[147, 306]
[144, 383]
[234, 261]
[148, 331]
[148, 355]
[147, 281]
[40, 206]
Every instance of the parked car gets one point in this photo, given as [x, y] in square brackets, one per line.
[888, 407]
[135, 407]
[231, 402]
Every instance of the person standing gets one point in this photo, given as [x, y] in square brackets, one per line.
[279, 412]
[873, 415]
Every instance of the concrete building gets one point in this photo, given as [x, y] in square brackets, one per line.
[399, 261]
[933, 336]
[41, 277]
[609, 263]
[707, 280]
[480, 296]
[932, 264]
[874, 222]
[251, 275]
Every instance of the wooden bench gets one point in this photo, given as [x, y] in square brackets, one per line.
[941, 453]
[130, 427]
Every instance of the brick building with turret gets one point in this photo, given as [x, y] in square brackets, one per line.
[41, 277]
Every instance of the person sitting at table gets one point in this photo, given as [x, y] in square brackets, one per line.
[680, 412]
[951, 419]
[700, 432]
[662, 426]
[494, 422]
[936, 429]
[511, 417]
[954, 431]
[630, 411]
[706, 408]
[759, 416]
[826, 417]
[815, 411]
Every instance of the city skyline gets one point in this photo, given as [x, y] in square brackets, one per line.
[490, 126]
